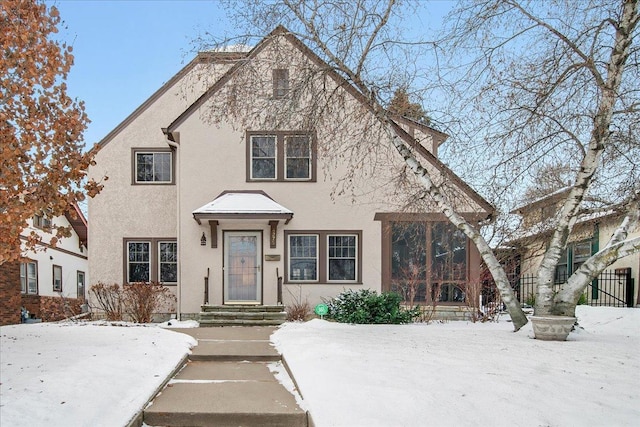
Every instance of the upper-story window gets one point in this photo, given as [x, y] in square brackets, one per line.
[280, 83]
[152, 166]
[280, 156]
[41, 221]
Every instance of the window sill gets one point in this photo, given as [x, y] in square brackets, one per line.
[332, 283]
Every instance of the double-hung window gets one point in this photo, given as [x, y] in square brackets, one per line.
[323, 257]
[280, 156]
[57, 278]
[297, 157]
[151, 260]
[263, 157]
[303, 257]
[342, 257]
[152, 166]
[168, 262]
[29, 277]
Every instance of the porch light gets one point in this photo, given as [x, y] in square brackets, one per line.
[203, 240]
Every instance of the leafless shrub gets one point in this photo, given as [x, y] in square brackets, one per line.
[107, 298]
[141, 299]
[299, 310]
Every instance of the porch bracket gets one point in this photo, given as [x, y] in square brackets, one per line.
[213, 224]
[273, 233]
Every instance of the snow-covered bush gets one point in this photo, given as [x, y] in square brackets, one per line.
[366, 306]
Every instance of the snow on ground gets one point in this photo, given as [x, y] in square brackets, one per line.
[464, 374]
[452, 374]
[83, 374]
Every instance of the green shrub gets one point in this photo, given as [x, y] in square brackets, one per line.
[583, 300]
[367, 307]
[530, 300]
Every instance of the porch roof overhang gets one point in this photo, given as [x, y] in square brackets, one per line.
[243, 205]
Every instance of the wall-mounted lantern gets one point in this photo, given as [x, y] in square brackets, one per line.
[203, 240]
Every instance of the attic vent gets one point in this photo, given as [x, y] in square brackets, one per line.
[280, 82]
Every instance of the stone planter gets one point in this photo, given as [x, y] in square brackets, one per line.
[552, 328]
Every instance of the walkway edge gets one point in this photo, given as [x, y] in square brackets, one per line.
[138, 418]
[283, 360]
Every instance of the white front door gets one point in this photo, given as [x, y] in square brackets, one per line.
[242, 267]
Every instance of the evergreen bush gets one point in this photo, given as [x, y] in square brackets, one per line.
[367, 307]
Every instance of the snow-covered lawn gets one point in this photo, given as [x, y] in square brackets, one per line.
[82, 374]
[452, 374]
[462, 374]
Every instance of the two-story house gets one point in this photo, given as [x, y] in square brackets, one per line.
[49, 282]
[232, 185]
[616, 286]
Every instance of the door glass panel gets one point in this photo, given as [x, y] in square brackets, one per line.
[242, 268]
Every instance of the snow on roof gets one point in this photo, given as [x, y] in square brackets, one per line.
[242, 205]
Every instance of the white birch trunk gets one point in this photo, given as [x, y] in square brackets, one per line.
[502, 282]
[564, 303]
[591, 161]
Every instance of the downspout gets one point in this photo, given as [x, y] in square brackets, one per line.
[173, 139]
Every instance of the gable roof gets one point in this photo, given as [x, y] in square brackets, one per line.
[79, 223]
[281, 31]
[201, 57]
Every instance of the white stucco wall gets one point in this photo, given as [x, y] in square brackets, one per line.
[68, 254]
[211, 158]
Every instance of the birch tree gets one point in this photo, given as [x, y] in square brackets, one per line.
[556, 82]
[363, 42]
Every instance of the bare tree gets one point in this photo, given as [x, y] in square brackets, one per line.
[362, 42]
[555, 84]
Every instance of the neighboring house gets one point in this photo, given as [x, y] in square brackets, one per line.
[49, 282]
[616, 286]
[233, 212]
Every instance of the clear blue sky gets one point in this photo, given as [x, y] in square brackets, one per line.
[125, 50]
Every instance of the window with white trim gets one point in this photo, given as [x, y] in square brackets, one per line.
[342, 257]
[297, 157]
[280, 156]
[139, 261]
[57, 278]
[168, 262]
[263, 157]
[29, 277]
[80, 278]
[303, 257]
[153, 167]
[151, 260]
[323, 256]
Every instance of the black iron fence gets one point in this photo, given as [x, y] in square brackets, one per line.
[612, 288]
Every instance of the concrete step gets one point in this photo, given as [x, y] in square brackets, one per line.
[241, 350]
[238, 322]
[229, 403]
[242, 315]
[243, 307]
[225, 394]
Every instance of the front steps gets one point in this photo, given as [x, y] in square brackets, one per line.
[242, 315]
[228, 382]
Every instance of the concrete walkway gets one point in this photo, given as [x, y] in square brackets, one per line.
[227, 382]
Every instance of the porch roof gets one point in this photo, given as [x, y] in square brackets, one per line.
[243, 205]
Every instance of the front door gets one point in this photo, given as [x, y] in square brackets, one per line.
[242, 267]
